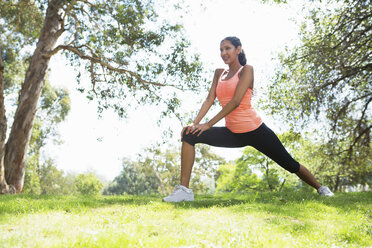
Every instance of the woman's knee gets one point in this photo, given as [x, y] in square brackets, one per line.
[188, 137]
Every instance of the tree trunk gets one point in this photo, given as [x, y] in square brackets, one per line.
[281, 186]
[16, 147]
[4, 187]
[337, 183]
[271, 188]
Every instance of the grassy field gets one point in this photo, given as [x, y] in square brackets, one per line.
[249, 220]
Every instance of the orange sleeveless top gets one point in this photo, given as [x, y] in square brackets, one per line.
[244, 118]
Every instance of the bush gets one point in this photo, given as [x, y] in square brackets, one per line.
[87, 184]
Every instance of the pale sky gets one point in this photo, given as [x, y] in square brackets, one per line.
[100, 144]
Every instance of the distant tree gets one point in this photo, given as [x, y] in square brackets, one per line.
[32, 178]
[130, 56]
[255, 171]
[54, 107]
[158, 171]
[224, 177]
[253, 159]
[87, 184]
[166, 166]
[51, 179]
[328, 169]
[133, 180]
[207, 164]
[325, 83]
[236, 177]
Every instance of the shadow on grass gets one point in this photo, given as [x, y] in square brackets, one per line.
[278, 202]
[268, 201]
[22, 204]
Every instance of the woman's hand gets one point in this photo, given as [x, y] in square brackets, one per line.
[187, 128]
[199, 128]
[195, 128]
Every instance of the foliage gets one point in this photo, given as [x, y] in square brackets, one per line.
[157, 171]
[133, 181]
[54, 107]
[20, 26]
[32, 180]
[274, 1]
[324, 84]
[225, 177]
[128, 51]
[255, 171]
[87, 184]
[49, 180]
[52, 181]
[236, 178]
[328, 169]
[207, 163]
[253, 219]
[132, 56]
[21, 22]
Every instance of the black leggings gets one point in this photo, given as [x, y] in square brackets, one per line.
[262, 138]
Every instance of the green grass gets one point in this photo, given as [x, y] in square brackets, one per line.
[226, 220]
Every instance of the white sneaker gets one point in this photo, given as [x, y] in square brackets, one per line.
[180, 193]
[324, 190]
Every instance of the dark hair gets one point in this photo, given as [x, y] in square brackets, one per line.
[236, 42]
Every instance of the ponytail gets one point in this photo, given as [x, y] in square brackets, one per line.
[242, 58]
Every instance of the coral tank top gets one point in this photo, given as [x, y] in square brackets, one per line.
[244, 118]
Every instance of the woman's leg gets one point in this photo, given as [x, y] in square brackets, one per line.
[307, 177]
[216, 136]
[265, 140]
[187, 161]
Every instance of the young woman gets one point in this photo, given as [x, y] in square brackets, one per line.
[244, 127]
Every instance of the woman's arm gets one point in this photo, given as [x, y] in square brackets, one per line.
[245, 82]
[206, 104]
[210, 98]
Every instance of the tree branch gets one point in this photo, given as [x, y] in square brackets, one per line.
[344, 109]
[90, 18]
[360, 135]
[87, 3]
[99, 61]
[351, 32]
[363, 113]
[351, 147]
[349, 73]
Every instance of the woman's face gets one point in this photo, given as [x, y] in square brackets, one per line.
[228, 52]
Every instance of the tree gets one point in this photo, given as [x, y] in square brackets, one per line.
[255, 171]
[241, 176]
[87, 184]
[157, 170]
[115, 42]
[166, 166]
[324, 83]
[253, 159]
[236, 177]
[207, 164]
[318, 157]
[53, 109]
[133, 180]
[32, 177]
[51, 179]
[225, 177]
